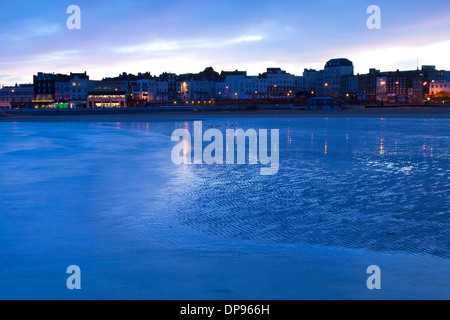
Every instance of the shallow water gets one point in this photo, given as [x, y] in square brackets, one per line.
[106, 196]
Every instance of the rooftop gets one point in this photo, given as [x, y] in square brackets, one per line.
[341, 62]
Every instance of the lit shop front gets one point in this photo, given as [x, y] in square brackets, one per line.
[44, 104]
[62, 105]
[114, 99]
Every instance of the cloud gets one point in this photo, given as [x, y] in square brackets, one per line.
[30, 29]
[403, 57]
[161, 45]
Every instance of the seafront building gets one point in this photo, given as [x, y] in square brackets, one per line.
[78, 84]
[108, 93]
[336, 80]
[397, 86]
[272, 84]
[44, 90]
[18, 96]
[149, 90]
[330, 79]
[440, 87]
[63, 91]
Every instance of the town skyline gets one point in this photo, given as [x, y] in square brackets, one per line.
[202, 69]
[336, 80]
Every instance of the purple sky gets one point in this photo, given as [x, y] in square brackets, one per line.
[187, 36]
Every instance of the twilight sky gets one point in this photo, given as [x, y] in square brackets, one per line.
[188, 36]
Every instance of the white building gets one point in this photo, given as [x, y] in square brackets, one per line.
[310, 79]
[329, 80]
[196, 90]
[335, 80]
[78, 89]
[240, 86]
[150, 90]
[275, 77]
[438, 86]
[232, 88]
[19, 96]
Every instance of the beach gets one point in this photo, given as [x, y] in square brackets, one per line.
[354, 189]
[442, 112]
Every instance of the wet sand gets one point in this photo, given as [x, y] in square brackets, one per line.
[412, 112]
[106, 196]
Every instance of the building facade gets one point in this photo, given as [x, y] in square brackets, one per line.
[78, 89]
[107, 94]
[150, 90]
[274, 83]
[439, 87]
[62, 89]
[19, 96]
[330, 80]
[336, 80]
[44, 90]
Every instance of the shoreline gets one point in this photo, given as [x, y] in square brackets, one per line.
[87, 115]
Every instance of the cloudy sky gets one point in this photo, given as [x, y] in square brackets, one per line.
[187, 36]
